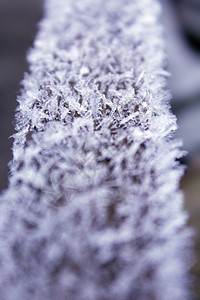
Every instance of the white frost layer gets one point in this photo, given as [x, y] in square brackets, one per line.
[93, 209]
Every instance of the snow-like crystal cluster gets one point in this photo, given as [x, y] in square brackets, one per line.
[92, 211]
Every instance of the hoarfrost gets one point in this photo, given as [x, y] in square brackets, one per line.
[93, 119]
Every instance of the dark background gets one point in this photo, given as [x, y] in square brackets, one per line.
[18, 26]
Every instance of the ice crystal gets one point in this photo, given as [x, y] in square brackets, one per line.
[92, 211]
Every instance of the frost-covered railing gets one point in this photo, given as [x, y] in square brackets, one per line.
[92, 210]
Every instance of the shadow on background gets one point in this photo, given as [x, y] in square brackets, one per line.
[18, 26]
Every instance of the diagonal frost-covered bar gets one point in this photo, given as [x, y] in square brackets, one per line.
[92, 210]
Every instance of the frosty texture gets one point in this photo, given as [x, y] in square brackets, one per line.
[93, 211]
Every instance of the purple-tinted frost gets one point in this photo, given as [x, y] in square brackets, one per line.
[92, 211]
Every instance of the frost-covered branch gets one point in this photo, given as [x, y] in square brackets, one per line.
[92, 211]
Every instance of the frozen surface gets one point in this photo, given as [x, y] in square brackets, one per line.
[93, 211]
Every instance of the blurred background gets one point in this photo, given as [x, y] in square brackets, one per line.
[18, 26]
[182, 28]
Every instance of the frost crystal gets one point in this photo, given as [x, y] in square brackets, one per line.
[92, 211]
